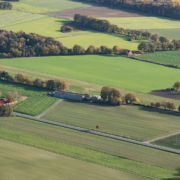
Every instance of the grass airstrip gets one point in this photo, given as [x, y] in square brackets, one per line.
[129, 121]
[127, 165]
[110, 70]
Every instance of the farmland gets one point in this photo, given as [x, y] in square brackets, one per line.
[167, 57]
[172, 142]
[35, 104]
[134, 167]
[98, 143]
[8, 18]
[14, 165]
[47, 26]
[131, 121]
[109, 70]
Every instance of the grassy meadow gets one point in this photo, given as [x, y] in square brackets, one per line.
[127, 165]
[84, 87]
[167, 57]
[8, 18]
[47, 26]
[130, 121]
[30, 163]
[35, 104]
[109, 70]
[57, 5]
[114, 147]
[171, 142]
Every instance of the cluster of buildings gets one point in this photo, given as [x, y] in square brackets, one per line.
[73, 96]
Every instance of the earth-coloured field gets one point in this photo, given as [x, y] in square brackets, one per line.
[95, 11]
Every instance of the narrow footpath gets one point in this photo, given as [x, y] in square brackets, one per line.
[97, 133]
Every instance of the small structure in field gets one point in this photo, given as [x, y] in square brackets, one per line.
[68, 95]
[94, 97]
[130, 53]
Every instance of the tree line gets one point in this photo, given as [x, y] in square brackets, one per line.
[21, 44]
[114, 97]
[166, 9]
[6, 5]
[56, 84]
[165, 105]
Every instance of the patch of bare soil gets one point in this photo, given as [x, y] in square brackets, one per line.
[96, 11]
[166, 94]
[73, 26]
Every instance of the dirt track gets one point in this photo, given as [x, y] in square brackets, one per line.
[95, 11]
[166, 94]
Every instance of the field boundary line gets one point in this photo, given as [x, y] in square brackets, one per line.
[98, 133]
[75, 35]
[162, 137]
[49, 109]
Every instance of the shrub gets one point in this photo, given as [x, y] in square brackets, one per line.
[179, 108]
[158, 105]
[152, 104]
[68, 29]
[97, 126]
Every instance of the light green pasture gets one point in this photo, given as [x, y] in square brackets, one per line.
[55, 4]
[8, 18]
[109, 70]
[21, 162]
[48, 26]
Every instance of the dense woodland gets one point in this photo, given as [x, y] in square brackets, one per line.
[169, 9]
[21, 44]
[6, 5]
[56, 84]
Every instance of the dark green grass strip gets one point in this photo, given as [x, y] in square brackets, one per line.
[115, 162]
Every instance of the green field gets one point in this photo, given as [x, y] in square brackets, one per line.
[8, 18]
[30, 8]
[35, 104]
[130, 121]
[134, 167]
[48, 26]
[171, 142]
[30, 163]
[98, 143]
[166, 57]
[55, 4]
[101, 39]
[84, 87]
[110, 70]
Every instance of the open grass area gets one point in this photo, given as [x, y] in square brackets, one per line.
[48, 26]
[101, 39]
[98, 143]
[166, 57]
[109, 70]
[172, 142]
[35, 104]
[30, 163]
[30, 8]
[8, 18]
[145, 22]
[84, 87]
[55, 4]
[131, 121]
[134, 167]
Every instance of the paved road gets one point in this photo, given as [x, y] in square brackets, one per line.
[162, 137]
[49, 109]
[97, 133]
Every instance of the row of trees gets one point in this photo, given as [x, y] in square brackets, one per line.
[113, 96]
[6, 5]
[167, 9]
[56, 84]
[164, 104]
[28, 45]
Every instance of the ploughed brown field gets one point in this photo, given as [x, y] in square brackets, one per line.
[166, 94]
[96, 11]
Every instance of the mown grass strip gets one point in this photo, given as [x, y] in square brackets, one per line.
[115, 162]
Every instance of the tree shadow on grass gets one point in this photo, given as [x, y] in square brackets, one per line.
[175, 178]
[160, 111]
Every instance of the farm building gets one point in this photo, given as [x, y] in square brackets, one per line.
[69, 95]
